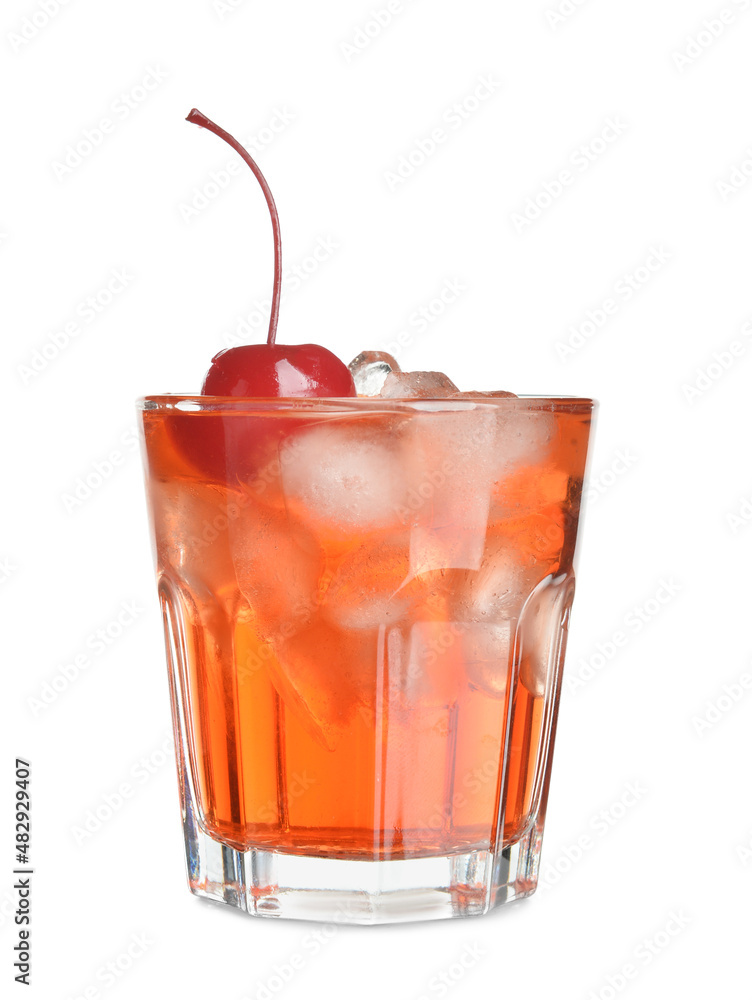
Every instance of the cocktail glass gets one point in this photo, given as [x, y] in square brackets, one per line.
[366, 605]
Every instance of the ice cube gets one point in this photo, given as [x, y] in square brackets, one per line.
[369, 371]
[326, 674]
[277, 564]
[486, 650]
[453, 472]
[440, 657]
[191, 523]
[524, 435]
[370, 585]
[342, 477]
[497, 591]
[410, 385]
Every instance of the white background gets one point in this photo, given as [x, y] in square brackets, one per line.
[662, 508]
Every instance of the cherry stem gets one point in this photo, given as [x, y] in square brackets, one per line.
[199, 119]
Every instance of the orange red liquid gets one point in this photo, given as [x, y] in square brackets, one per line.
[346, 693]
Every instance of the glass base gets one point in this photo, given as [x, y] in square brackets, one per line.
[270, 884]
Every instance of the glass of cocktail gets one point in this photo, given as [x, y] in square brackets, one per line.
[366, 605]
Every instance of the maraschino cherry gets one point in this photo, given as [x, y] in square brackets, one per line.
[271, 369]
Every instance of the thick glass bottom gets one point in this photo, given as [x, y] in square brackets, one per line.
[272, 884]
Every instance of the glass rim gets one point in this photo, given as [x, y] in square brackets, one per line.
[179, 403]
